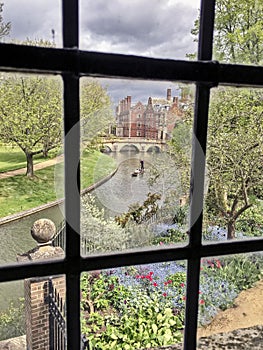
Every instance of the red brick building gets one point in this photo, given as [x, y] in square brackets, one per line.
[156, 120]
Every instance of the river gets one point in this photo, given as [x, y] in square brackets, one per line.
[115, 196]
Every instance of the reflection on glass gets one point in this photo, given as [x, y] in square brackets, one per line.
[135, 164]
[233, 203]
[230, 292]
[136, 306]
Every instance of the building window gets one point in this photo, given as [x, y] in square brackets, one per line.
[71, 63]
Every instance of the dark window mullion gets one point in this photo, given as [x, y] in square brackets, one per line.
[205, 48]
[72, 175]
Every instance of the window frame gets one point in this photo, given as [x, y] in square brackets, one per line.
[71, 64]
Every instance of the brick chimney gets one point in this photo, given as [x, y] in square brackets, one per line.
[169, 94]
[129, 102]
[175, 101]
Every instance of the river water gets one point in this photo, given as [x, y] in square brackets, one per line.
[115, 196]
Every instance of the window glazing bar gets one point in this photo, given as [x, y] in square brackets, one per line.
[72, 174]
[56, 61]
[205, 46]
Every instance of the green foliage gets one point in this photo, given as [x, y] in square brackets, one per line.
[171, 236]
[235, 152]
[12, 321]
[140, 213]
[117, 321]
[180, 215]
[238, 31]
[251, 221]
[96, 112]
[241, 271]
[105, 234]
[31, 114]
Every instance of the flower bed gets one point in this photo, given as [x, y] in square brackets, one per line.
[143, 306]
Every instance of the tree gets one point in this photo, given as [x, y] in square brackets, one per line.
[239, 31]
[96, 112]
[30, 114]
[238, 35]
[235, 119]
[235, 153]
[4, 27]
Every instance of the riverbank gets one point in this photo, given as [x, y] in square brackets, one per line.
[40, 208]
[20, 194]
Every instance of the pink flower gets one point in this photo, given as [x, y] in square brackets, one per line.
[184, 297]
[182, 285]
[218, 264]
[155, 284]
[201, 302]
[165, 294]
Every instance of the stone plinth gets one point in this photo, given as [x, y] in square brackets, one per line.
[36, 289]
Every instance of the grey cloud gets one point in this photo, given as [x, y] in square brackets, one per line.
[150, 29]
[156, 28]
[139, 90]
[33, 19]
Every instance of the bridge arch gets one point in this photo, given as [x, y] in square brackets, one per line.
[129, 147]
[137, 145]
[154, 148]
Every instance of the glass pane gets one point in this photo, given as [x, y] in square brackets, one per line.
[135, 164]
[233, 204]
[30, 306]
[12, 310]
[160, 29]
[134, 307]
[230, 299]
[238, 32]
[35, 23]
[30, 156]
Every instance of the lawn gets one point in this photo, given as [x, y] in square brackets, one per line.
[12, 158]
[20, 193]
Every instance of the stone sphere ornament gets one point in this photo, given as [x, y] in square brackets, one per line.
[43, 230]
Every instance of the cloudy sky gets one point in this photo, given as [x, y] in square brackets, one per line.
[152, 28]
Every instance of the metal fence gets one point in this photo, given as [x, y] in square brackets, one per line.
[57, 319]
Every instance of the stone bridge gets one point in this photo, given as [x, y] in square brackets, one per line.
[139, 144]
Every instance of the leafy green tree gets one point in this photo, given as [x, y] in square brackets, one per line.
[238, 36]
[30, 114]
[235, 153]
[239, 31]
[4, 27]
[235, 120]
[96, 112]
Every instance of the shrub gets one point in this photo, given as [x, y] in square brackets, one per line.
[12, 321]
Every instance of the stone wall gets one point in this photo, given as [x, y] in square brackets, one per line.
[240, 339]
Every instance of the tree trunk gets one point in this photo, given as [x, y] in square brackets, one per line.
[231, 229]
[29, 165]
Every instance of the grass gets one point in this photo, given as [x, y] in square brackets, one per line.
[20, 193]
[12, 158]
